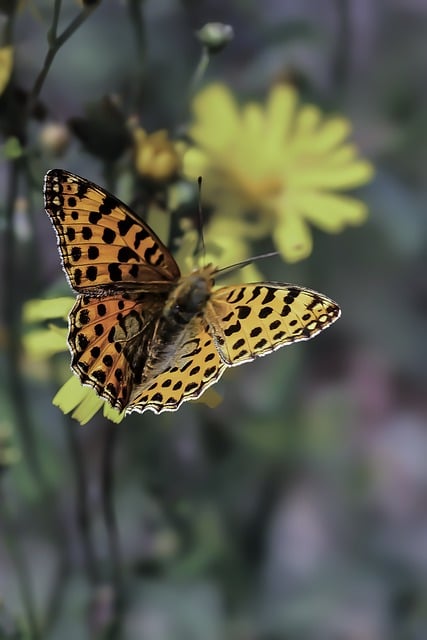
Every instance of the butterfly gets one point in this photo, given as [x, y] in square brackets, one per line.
[141, 334]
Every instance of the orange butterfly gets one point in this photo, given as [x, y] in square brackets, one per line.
[145, 337]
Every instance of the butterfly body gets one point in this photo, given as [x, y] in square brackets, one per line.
[141, 334]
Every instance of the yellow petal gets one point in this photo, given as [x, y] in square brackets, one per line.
[307, 120]
[329, 135]
[195, 163]
[43, 343]
[72, 396]
[280, 112]
[88, 407]
[331, 212]
[39, 310]
[112, 414]
[323, 177]
[292, 236]
[83, 401]
[6, 64]
[217, 118]
[249, 150]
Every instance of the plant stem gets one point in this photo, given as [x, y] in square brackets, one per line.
[110, 520]
[341, 59]
[136, 18]
[12, 320]
[17, 557]
[82, 502]
[200, 71]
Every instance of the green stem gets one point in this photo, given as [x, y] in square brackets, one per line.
[17, 557]
[110, 519]
[82, 502]
[200, 71]
[341, 59]
[136, 18]
[12, 320]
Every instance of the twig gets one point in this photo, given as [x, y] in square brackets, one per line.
[55, 43]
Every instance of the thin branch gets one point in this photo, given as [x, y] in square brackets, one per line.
[55, 43]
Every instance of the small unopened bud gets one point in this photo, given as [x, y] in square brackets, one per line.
[215, 35]
[54, 138]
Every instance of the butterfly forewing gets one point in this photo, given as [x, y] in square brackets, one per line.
[255, 319]
[101, 241]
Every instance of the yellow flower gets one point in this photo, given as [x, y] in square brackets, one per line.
[156, 157]
[277, 168]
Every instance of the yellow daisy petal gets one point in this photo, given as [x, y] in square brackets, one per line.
[329, 135]
[40, 310]
[342, 177]
[250, 154]
[71, 394]
[217, 118]
[195, 163]
[279, 114]
[307, 120]
[342, 155]
[88, 407]
[331, 212]
[292, 237]
[43, 343]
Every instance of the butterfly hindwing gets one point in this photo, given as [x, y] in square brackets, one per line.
[101, 241]
[196, 365]
[109, 340]
[255, 319]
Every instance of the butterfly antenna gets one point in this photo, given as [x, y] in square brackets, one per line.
[244, 263]
[201, 248]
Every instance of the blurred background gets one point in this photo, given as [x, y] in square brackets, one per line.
[297, 507]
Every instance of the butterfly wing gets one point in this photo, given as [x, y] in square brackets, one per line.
[196, 366]
[255, 319]
[103, 244]
[109, 339]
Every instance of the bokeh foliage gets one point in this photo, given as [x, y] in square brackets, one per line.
[296, 507]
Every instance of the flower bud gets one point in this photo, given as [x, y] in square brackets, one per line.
[215, 35]
[54, 138]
